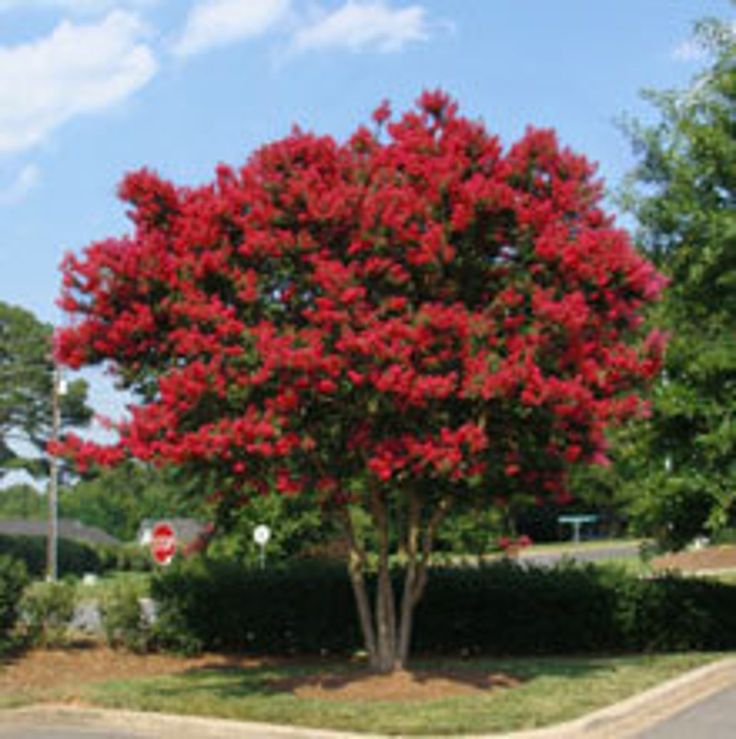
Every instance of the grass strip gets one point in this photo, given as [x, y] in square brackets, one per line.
[550, 691]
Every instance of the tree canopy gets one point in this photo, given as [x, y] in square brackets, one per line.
[683, 194]
[407, 318]
[26, 387]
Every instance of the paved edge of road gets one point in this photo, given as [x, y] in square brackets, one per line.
[623, 719]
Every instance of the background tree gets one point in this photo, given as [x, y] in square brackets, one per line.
[683, 194]
[118, 500]
[26, 379]
[21, 501]
[386, 325]
[299, 529]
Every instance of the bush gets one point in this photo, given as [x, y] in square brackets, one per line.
[13, 579]
[673, 613]
[220, 605]
[47, 609]
[510, 609]
[124, 620]
[75, 557]
[505, 608]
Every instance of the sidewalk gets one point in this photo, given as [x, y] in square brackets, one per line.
[626, 719]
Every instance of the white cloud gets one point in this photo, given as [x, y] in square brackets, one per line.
[213, 23]
[689, 51]
[24, 182]
[364, 26]
[77, 69]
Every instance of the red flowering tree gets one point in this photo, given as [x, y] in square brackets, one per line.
[395, 322]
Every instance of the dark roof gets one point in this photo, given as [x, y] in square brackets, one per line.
[68, 529]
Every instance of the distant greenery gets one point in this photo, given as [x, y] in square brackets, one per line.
[298, 528]
[22, 501]
[26, 389]
[674, 474]
[118, 500]
[684, 198]
[74, 557]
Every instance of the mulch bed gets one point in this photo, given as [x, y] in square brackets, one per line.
[402, 685]
[89, 663]
[62, 674]
[698, 560]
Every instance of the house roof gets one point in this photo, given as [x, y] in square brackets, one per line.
[68, 529]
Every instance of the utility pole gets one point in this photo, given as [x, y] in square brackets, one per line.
[668, 455]
[52, 548]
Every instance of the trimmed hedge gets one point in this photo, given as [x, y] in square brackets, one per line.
[74, 557]
[509, 609]
[500, 609]
[220, 605]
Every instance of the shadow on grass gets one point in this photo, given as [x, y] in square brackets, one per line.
[426, 680]
[498, 695]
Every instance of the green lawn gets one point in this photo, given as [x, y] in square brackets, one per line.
[551, 690]
[560, 547]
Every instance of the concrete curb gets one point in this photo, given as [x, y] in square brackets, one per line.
[641, 711]
[624, 719]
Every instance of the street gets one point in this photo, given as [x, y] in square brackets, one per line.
[614, 551]
[714, 718]
[66, 732]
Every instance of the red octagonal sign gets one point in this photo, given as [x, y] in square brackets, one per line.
[163, 542]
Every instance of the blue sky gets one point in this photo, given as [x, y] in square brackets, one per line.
[90, 89]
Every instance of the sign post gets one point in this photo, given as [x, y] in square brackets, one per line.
[261, 535]
[576, 521]
[163, 542]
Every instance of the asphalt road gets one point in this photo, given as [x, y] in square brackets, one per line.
[66, 732]
[615, 551]
[712, 718]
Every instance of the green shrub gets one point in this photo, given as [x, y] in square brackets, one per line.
[124, 621]
[509, 609]
[505, 608]
[673, 613]
[13, 580]
[73, 557]
[130, 558]
[47, 609]
[220, 605]
[76, 557]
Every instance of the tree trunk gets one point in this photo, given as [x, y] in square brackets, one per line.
[356, 570]
[386, 633]
[415, 579]
[385, 606]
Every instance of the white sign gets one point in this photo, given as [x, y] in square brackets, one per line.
[261, 535]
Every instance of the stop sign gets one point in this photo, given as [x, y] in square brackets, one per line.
[163, 542]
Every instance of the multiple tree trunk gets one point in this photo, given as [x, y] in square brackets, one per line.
[386, 624]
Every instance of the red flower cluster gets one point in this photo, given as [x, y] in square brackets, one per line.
[414, 305]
